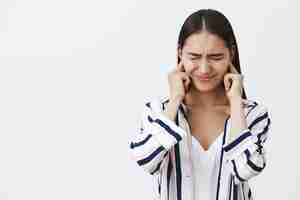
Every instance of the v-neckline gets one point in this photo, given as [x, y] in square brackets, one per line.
[210, 146]
[215, 141]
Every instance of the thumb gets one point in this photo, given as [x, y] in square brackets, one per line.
[187, 82]
[228, 79]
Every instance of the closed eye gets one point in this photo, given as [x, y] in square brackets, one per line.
[212, 57]
[217, 58]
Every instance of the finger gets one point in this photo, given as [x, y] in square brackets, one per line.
[228, 80]
[227, 85]
[186, 82]
[184, 76]
[232, 77]
[233, 69]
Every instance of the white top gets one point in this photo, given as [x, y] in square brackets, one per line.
[204, 163]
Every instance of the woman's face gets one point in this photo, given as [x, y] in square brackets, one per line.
[205, 55]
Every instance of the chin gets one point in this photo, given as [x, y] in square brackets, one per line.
[205, 87]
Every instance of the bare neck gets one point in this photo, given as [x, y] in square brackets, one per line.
[206, 100]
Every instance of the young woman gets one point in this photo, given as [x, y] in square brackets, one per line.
[206, 140]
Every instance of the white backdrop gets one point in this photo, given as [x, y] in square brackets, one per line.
[74, 76]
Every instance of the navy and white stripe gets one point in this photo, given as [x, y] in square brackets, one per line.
[157, 135]
[246, 153]
[178, 168]
[157, 149]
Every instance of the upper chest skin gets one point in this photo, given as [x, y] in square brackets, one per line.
[206, 126]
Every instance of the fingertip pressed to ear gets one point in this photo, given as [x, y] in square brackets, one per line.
[181, 67]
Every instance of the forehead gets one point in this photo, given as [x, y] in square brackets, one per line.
[204, 42]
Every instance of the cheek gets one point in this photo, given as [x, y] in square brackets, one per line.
[222, 67]
[188, 65]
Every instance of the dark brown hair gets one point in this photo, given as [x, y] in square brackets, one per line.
[216, 23]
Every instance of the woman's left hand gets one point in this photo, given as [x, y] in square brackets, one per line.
[233, 82]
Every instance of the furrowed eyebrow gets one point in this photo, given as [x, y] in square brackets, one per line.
[211, 55]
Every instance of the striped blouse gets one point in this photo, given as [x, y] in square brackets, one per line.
[162, 147]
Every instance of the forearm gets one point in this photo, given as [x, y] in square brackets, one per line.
[238, 118]
[245, 150]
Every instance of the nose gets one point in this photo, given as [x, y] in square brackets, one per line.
[204, 68]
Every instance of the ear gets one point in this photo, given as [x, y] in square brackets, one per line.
[179, 52]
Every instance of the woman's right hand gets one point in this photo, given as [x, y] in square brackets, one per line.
[179, 82]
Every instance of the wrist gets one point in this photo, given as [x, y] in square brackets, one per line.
[173, 105]
[171, 109]
[175, 101]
